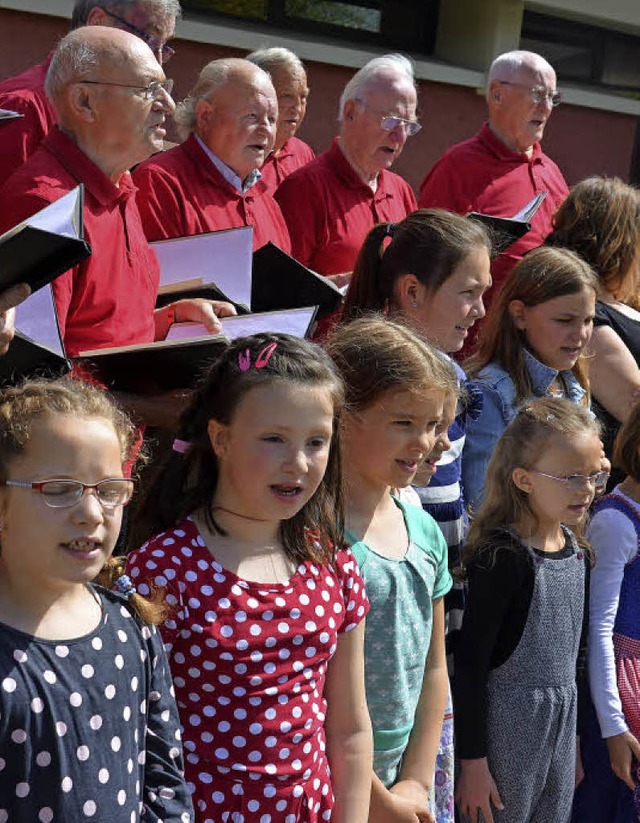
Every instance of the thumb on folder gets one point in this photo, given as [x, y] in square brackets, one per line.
[9, 299]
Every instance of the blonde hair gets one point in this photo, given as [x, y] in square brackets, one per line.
[522, 443]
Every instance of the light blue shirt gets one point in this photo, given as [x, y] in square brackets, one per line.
[241, 186]
[498, 410]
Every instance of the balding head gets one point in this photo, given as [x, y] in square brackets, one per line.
[233, 109]
[99, 83]
[521, 91]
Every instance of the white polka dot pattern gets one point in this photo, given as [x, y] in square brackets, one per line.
[249, 663]
[62, 709]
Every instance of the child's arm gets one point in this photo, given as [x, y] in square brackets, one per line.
[418, 764]
[348, 729]
[165, 794]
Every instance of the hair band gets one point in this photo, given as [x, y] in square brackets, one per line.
[391, 227]
[124, 585]
[180, 446]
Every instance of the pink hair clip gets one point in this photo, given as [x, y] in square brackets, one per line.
[244, 358]
[180, 446]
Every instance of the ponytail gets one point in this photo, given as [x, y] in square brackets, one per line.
[366, 292]
[112, 576]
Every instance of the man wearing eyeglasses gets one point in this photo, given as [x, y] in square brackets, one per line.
[501, 168]
[331, 203]
[153, 21]
[112, 100]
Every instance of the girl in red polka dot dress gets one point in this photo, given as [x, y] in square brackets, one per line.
[266, 633]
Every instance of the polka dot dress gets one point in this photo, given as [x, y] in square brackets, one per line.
[88, 727]
[249, 662]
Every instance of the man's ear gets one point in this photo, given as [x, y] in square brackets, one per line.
[350, 109]
[218, 437]
[80, 101]
[522, 480]
[518, 313]
[496, 92]
[98, 17]
[203, 115]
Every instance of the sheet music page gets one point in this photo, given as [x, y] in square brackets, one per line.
[36, 317]
[526, 212]
[222, 257]
[291, 321]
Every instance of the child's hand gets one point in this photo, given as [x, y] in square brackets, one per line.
[397, 809]
[623, 748]
[414, 793]
[477, 790]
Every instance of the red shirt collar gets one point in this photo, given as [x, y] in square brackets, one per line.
[502, 151]
[80, 166]
[345, 170]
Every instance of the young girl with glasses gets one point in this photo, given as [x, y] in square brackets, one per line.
[88, 723]
[266, 634]
[521, 657]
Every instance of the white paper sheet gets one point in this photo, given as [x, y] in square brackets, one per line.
[290, 321]
[36, 318]
[221, 257]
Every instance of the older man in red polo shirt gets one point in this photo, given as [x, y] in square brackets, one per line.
[331, 203]
[211, 181]
[502, 168]
[111, 98]
[151, 20]
[290, 82]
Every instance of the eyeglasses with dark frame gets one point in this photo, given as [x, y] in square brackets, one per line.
[537, 93]
[576, 482]
[389, 122]
[62, 493]
[165, 50]
[152, 92]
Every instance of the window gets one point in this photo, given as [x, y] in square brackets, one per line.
[585, 54]
[396, 24]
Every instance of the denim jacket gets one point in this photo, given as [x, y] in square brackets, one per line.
[498, 410]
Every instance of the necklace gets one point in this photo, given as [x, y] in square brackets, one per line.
[238, 514]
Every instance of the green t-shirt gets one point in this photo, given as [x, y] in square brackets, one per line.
[398, 631]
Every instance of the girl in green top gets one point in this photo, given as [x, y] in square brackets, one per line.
[396, 386]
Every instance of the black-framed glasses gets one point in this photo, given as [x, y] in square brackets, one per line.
[538, 94]
[165, 51]
[390, 122]
[576, 482]
[62, 493]
[154, 91]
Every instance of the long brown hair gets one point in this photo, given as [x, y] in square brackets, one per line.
[600, 221]
[543, 274]
[429, 244]
[188, 481]
[523, 441]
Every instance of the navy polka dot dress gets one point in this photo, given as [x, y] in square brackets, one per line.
[88, 727]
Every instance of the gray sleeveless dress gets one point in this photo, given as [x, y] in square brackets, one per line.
[532, 699]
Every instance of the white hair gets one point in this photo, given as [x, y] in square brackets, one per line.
[378, 68]
[82, 8]
[509, 64]
[275, 58]
[212, 77]
[74, 59]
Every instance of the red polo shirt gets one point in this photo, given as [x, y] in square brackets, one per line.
[293, 155]
[484, 175]
[329, 210]
[181, 193]
[109, 299]
[24, 93]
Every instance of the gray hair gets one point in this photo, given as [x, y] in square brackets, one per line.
[74, 58]
[212, 77]
[82, 8]
[377, 68]
[275, 58]
[509, 64]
